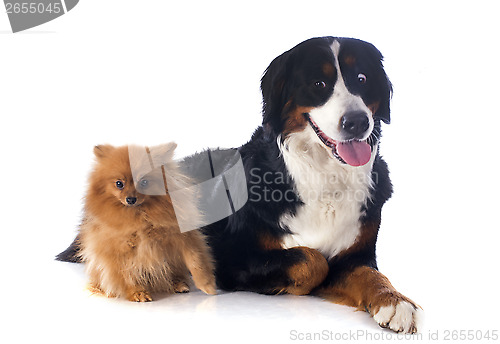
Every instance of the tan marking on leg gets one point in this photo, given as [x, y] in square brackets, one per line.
[307, 274]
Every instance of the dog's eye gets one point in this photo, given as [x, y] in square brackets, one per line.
[361, 78]
[144, 183]
[320, 84]
[119, 184]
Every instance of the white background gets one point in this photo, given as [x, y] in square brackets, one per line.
[148, 72]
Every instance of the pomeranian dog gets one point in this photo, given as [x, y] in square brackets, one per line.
[130, 239]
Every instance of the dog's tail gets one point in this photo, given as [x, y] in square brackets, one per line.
[71, 254]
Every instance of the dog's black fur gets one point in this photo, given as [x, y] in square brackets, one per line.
[242, 263]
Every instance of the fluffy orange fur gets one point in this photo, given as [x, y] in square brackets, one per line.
[134, 250]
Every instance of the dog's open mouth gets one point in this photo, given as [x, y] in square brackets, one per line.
[352, 152]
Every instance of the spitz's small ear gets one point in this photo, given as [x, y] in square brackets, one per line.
[162, 154]
[102, 150]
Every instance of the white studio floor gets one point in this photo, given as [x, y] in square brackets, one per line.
[65, 311]
[121, 72]
[57, 306]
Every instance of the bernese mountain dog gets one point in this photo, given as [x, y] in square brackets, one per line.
[316, 185]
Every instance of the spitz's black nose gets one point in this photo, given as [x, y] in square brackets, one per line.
[131, 200]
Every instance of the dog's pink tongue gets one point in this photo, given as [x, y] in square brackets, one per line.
[355, 153]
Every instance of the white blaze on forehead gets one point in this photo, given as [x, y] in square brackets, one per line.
[328, 116]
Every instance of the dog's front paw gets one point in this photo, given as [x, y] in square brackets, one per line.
[140, 296]
[208, 288]
[205, 281]
[308, 272]
[401, 315]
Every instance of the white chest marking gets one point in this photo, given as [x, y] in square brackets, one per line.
[333, 195]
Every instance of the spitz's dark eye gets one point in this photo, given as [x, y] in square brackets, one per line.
[144, 183]
[119, 184]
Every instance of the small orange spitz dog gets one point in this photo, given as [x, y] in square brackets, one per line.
[129, 238]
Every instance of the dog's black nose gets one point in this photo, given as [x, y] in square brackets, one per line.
[354, 124]
[131, 200]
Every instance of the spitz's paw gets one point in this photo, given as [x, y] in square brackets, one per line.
[208, 287]
[140, 296]
[94, 289]
[181, 287]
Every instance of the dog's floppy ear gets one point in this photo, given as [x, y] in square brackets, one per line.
[384, 110]
[101, 151]
[273, 86]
